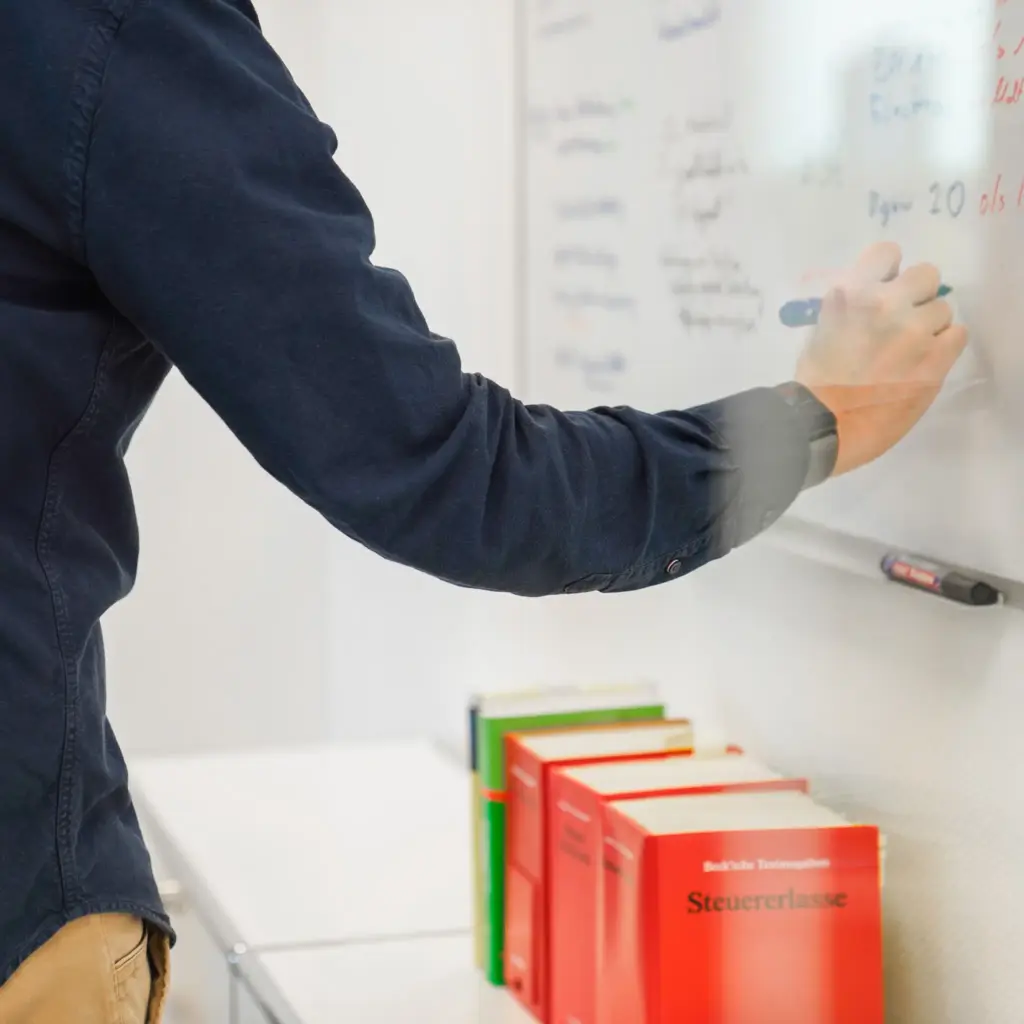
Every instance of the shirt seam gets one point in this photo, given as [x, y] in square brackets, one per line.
[66, 864]
[86, 89]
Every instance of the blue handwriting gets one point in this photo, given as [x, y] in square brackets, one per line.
[699, 21]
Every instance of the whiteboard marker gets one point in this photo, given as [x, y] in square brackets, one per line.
[939, 579]
[805, 312]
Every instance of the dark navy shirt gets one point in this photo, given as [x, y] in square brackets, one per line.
[168, 197]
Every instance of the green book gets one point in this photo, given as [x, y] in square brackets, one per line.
[479, 895]
[494, 718]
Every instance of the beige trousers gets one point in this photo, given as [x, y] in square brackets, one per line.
[100, 969]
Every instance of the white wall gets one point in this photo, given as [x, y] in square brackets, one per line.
[224, 641]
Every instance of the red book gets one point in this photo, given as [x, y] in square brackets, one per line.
[738, 909]
[575, 797]
[529, 758]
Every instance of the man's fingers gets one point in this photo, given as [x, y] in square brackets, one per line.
[916, 285]
[918, 325]
[834, 306]
[955, 339]
[936, 315]
[932, 373]
[878, 262]
[946, 349]
[924, 356]
[933, 368]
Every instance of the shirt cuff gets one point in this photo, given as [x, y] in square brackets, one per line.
[770, 450]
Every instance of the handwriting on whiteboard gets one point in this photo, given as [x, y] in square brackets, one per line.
[948, 199]
[1002, 195]
[582, 256]
[875, 155]
[701, 162]
[884, 208]
[583, 108]
[941, 199]
[558, 18]
[601, 208]
[713, 292]
[1009, 47]
[586, 126]
[582, 299]
[597, 373]
[711, 163]
[680, 19]
[904, 85]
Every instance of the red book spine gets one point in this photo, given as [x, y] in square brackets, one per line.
[623, 964]
[756, 927]
[525, 909]
[574, 835]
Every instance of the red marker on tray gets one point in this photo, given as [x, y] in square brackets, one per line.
[939, 579]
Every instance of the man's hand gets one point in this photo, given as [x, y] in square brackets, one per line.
[882, 349]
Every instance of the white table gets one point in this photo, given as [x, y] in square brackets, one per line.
[314, 846]
[419, 981]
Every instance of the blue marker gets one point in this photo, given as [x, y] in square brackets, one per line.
[805, 312]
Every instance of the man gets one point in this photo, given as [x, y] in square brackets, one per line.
[168, 197]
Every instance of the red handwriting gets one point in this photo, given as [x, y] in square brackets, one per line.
[1008, 91]
[1001, 51]
[994, 201]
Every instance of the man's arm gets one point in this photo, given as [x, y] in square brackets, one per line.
[216, 220]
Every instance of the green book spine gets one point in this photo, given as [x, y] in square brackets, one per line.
[492, 852]
[490, 752]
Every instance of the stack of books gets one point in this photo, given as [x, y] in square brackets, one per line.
[493, 718]
[628, 874]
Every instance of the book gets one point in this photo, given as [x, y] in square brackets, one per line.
[473, 713]
[495, 717]
[575, 796]
[530, 758]
[738, 908]
[509, 699]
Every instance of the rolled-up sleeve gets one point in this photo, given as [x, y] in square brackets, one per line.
[216, 220]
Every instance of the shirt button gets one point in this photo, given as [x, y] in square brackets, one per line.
[674, 568]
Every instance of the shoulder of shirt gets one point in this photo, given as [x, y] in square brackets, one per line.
[102, 26]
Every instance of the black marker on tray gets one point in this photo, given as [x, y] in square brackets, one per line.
[939, 579]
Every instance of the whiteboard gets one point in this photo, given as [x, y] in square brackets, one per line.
[691, 165]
